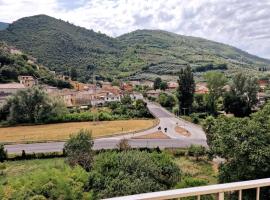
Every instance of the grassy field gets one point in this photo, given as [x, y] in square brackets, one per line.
[61, 131]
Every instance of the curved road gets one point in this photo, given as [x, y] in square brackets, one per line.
[167, 120]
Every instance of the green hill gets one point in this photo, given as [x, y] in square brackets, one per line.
[3, 25]
[61, 45]
[14, 63]
[165, 53]
[67, 48]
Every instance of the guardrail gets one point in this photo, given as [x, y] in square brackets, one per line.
[218, 189]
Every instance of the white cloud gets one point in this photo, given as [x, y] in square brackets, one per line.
[244, 24]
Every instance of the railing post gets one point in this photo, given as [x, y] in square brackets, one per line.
[199, 197]
[240, 195]
[221, 196]
[258, 193]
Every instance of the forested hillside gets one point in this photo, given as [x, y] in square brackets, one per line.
[67, 48]
[62, 46]
[14, 63]
[166, 53]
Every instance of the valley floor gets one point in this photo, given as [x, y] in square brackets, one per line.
[62, 131]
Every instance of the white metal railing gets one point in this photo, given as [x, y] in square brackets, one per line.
[218, 189]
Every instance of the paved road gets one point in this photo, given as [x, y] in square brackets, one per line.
[167, 120]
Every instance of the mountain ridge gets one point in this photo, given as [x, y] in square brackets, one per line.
[142, 53]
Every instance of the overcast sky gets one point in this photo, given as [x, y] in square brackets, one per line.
[241, 23]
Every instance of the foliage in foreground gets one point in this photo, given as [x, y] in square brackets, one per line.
[79, 150]
[51, 180]
[132, 172]
[244, 143]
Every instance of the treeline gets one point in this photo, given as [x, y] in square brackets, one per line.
[244, 145]
[211, 66]
[34, 106]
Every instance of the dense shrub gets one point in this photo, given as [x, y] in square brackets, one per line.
[3, 153]
[166, 100]
[196, 151]
[78, 150]
[131, 172]
[58, 182]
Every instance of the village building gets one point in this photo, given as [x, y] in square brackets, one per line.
[153, 93]
[201, 88]
[149, 84]
[8, 89]
[171, 85]
[263, 84]
[126, 87]
[78, 85]
[27, 81]
[105, 84]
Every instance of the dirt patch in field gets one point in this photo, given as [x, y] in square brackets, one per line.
[182, 131]
[155, 135]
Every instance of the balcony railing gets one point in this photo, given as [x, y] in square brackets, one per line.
[218, 189]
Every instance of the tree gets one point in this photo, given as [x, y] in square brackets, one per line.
[131, 172]
[197, 151]
[163, 85]
[242, 96]
[79, 150]
[126, 100]
[157, 83]
[244, 143]
[3, 153]
[32, 106]
[166, 100]
[73, 74]
[186, 89]
[215, 83]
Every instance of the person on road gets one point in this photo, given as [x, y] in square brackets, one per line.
[165, 129]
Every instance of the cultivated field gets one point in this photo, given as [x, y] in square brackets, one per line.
[62, 131]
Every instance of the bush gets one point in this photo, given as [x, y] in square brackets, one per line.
[191, 182]
[195, 118]
[131, 172]
[123, 145]
[79, 150]
[197, 151]
[58, 182]
[3, 153]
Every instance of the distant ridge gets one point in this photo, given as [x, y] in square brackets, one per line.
[140, 54]
[3, 25]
